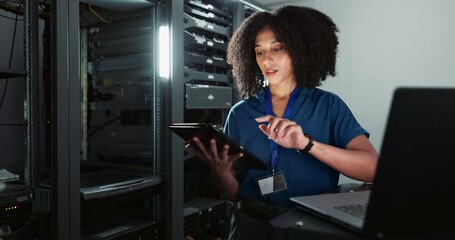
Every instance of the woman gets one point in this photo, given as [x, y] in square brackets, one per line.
[305, 135]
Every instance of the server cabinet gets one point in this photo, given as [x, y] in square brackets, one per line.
[106, 181]
[120, 160]
[207, 28]
[209, 94]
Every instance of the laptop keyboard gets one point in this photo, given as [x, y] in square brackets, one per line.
[357, 210]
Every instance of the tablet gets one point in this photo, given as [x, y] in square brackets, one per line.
[207, 131]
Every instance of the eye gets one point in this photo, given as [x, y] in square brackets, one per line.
[278, 48]
[259, 53]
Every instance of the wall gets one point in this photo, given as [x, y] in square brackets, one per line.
[385, 44]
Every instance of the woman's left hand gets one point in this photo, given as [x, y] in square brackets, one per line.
[284, 132]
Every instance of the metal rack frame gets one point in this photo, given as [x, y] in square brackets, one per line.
[31, 108]
[174, 92]
[66, 155]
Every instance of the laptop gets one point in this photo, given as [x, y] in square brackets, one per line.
[414, 186]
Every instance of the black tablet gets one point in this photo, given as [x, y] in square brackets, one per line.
[207, 131]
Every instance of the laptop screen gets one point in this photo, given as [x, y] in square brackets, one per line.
[414, 187]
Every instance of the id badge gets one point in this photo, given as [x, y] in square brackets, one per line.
[272, 183]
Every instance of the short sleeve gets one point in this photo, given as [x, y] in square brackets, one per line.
[345, 125]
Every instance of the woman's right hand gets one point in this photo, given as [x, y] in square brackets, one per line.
[219, 162]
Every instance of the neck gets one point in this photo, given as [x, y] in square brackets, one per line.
[282, 90]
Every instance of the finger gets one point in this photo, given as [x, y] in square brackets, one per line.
[273, 128]
[262, 119]
[282, 127]
[292, 136]
[224, 151]
[197, 153]
[284, 122]
[235, 156]
[213, 148]
[269, 129]
[263, 128]
[201, 147]
[275, 123]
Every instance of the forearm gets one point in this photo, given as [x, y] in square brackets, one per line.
[228, 185]
[356, 163]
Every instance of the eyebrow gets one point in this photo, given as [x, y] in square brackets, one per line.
[273, 42]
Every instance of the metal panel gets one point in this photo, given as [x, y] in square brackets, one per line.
[194, 39]
[193, 74]
[31, 109]
[208, 96]
[127, 62]
[195, 23]
[174, 91]
[119, 5]
[197, 58]
[66, 133]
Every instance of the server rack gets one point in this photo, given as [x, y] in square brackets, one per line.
[21, 124]
[207, 29]
[107, 173]
[209, 94]
[17, 125]
[200, 31]
[186, 71]
[120, 162]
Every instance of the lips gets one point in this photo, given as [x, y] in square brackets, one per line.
[270, 72]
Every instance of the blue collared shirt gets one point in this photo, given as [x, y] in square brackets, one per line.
[320, 113]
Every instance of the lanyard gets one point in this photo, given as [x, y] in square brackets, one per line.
[287, 114]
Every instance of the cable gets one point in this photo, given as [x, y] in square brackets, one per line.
[10, 56]
[97, 15]
[12, 8]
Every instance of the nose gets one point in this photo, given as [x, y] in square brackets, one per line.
[268, 57]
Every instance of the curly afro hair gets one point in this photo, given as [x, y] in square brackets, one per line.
[309, 36]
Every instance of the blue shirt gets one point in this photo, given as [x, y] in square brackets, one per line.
[320, 113]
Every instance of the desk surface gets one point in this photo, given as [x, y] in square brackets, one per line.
[298, 224]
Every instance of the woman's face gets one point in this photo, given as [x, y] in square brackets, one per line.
[273, 58]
